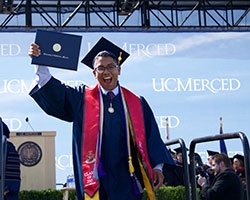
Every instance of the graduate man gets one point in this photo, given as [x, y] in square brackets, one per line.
[117, 148]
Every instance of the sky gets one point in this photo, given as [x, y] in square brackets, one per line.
[192, 79]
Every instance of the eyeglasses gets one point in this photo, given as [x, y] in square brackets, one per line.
[110, 68]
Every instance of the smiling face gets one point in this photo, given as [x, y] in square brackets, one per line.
[108, 79]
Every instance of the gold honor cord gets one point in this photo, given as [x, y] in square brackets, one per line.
[127, 120]
[147, 183]
[100, 125]
[95, 197]
[146, 180]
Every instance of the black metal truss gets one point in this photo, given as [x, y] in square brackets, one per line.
[128, 15]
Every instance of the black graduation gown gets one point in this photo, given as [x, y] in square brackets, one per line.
[178, 174]
[67, 104]
[12, 173]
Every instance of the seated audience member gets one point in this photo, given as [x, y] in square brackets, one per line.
[239, 168]
[210, 155]
[208, 166]
[179, 170]
[238, 165]
[200, 168]
[168, 171]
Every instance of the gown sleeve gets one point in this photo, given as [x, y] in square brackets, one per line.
[65, 103]
[157, 150]
[57, 99]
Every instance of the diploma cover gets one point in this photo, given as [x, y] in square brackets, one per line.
[58, 49]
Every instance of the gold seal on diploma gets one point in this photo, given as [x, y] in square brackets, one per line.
[57, 47]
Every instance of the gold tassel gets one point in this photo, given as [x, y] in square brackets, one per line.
[120, 58]
[131, 167]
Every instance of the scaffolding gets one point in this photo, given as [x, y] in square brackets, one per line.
[128, 16]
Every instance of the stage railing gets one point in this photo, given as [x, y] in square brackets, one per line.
[185, 164]
[223, 136]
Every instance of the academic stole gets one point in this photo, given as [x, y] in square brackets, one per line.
[92, 140]
[134, 118]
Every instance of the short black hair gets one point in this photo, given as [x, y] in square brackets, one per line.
[105, 54]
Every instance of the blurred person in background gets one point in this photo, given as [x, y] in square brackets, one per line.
[12, 169]
[226, 184]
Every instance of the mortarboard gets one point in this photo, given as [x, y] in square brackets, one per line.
[196, 156]
[239, 157]
[179, 150]
[211, 153]
[105, 45]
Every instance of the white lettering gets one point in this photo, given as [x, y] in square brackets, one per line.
[169, 83]
[15, 86]
[88, 173]
[234, 84]
[9, 49]
[180, 85]
[173, 121]
[14, 124]
[152, 49]
[160, 84]
[195, 85]
[64, 161]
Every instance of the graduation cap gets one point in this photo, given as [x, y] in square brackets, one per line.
[110, 48]
[179, 150]
[239, 157]
[212, 153]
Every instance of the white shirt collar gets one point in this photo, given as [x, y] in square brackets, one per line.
[115, 90]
